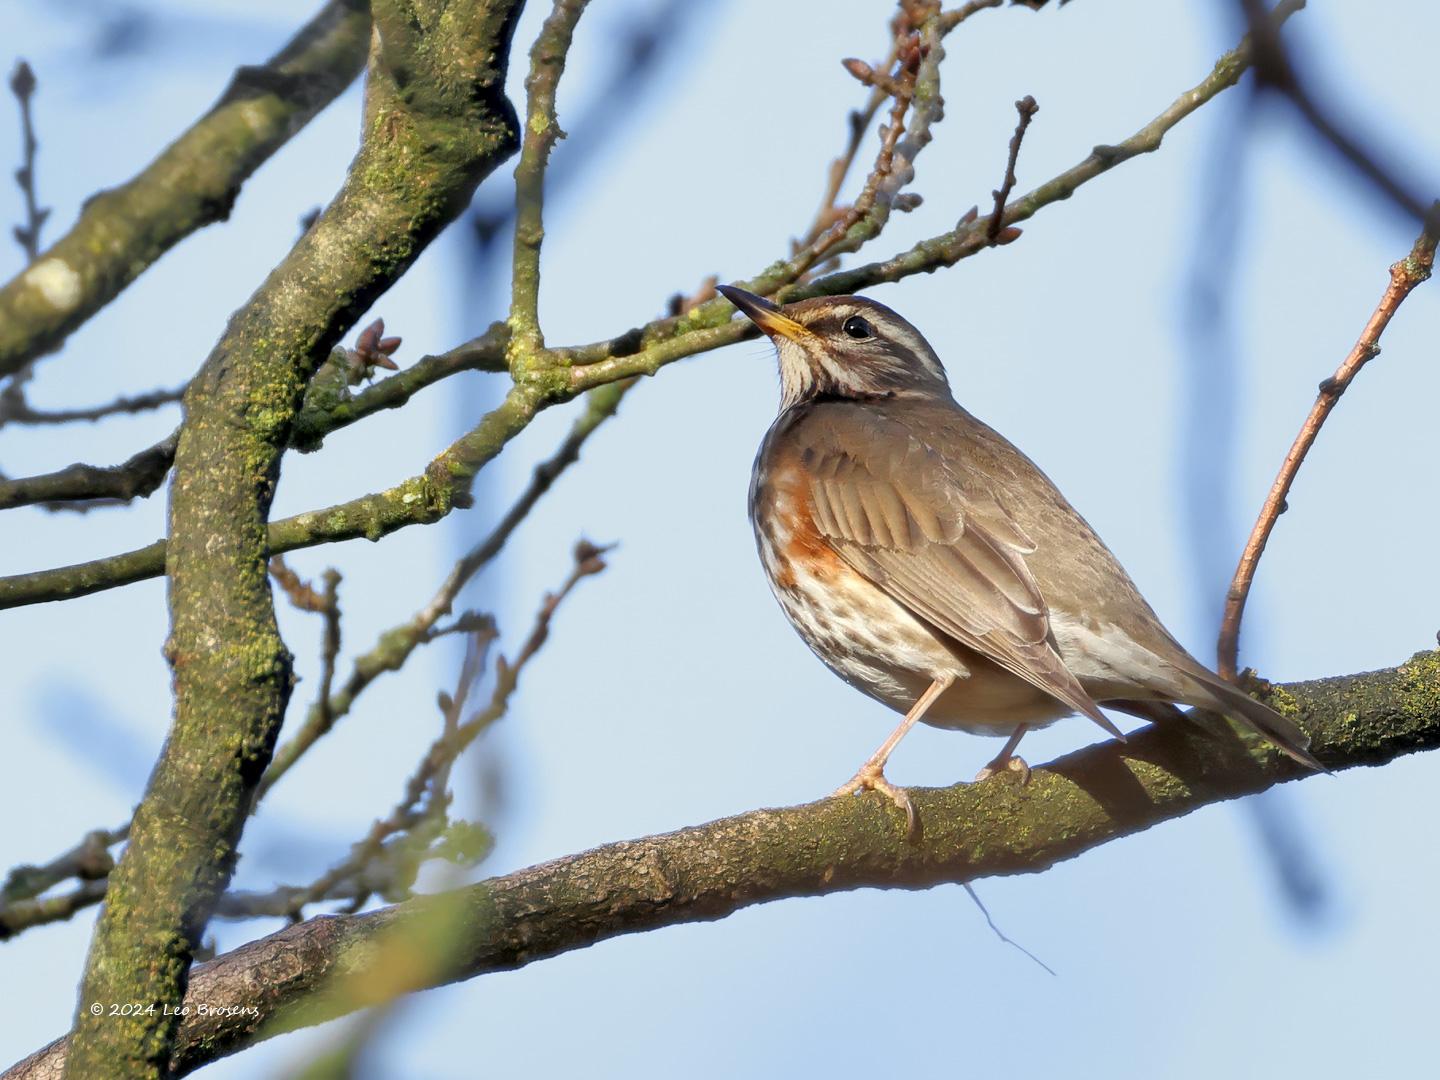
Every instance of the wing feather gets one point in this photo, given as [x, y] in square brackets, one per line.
[898, 513]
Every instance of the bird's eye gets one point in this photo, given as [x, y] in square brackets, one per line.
[857, 327]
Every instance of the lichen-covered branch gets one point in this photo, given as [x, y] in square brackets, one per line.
[78, 486]
[193, 183]
[328, 408]
[542, 131]
[445, 484]
[971, 831]
[436, 122]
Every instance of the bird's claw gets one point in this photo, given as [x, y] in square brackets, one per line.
[872, 778]
[1011, 764]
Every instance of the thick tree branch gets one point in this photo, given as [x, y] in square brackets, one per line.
[193, 183]
[300, 975]
[436, 122]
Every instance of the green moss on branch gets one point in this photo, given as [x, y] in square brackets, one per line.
[434, 128]
[971, 831]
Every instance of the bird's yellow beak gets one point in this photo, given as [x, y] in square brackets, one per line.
[767, 316]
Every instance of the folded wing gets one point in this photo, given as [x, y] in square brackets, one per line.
[948, 552]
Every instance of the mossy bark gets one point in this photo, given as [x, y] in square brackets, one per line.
[193, 183]
[301, 975]
[436, 122]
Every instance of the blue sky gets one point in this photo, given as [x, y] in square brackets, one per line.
[672, 691]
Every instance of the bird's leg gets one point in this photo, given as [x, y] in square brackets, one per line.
[871, 776]
[1006, 758]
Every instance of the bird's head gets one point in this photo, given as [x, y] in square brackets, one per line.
[844, 346]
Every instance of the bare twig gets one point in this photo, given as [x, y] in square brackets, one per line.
[22, 85]
[951, 19]
[88, 860]
[18, 411]
[22, 903]
[1026, 108]
[425, 800]
[80, 487]
[644, 350]
[542, 130]
[1404, 276]
[395, 646]
[24, 914]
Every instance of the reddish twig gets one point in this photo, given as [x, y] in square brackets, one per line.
[996, 233]
[1404, 276]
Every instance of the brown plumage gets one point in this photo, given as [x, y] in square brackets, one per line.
[932, 565]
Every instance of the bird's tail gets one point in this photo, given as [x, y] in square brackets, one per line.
[1238, 705]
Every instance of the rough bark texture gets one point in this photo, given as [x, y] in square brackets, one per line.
[436, 121]
[305, 973]
[193, 183]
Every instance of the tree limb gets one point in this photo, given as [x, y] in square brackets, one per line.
[300, 975]
[436, 122]
[193, 183]
[445, 484]
[1405, 275]
[328, 408]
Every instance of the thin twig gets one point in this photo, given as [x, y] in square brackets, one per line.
[542, 131]
[87, 861]
[640, 351]
[1404, 276]
[951, 19]
[395, 646]
[425, 797]
[20, 412]
[1026, 108]
[22, 85]
[80, 487]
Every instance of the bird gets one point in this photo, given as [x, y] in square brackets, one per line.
[933, 566]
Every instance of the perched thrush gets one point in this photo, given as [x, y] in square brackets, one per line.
[933, 566]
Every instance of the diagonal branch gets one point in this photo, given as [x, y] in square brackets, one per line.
[445, 485]
[707, 872]
[1405, 275]
[327, 409]
[193, 183]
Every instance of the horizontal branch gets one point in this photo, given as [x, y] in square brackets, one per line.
[193, 183]
[327, 409]
[971, 831]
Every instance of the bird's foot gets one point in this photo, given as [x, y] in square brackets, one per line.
[1010, 763]
[872, 778]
